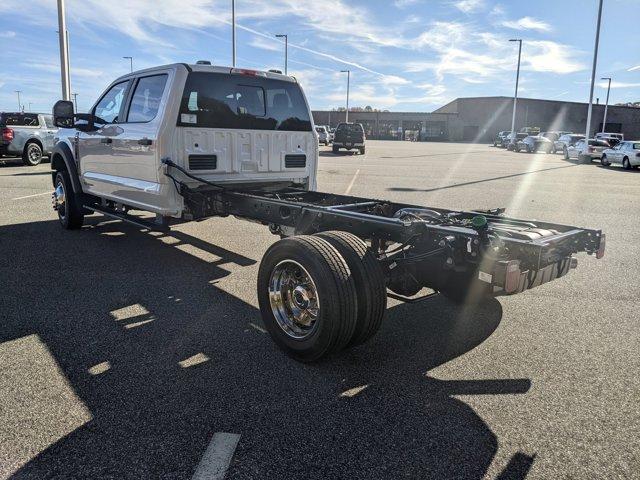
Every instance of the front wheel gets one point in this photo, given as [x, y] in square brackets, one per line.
[334, 149]
[32, 154]
[604, 161]
[66, 203]
[565, 153]
[307, 297]
[626, 164]
[362, 150]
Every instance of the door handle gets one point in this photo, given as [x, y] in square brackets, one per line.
[106, 140]
[145, 141]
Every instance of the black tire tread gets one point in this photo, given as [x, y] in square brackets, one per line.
[372, 307]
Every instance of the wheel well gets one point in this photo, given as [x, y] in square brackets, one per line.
[33, 140]
[57, 165]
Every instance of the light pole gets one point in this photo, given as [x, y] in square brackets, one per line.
[515, 97]
[75, 101]
[606, 103]
[29, 107]
[19, 104]
[593, 70]
[64, 52]
[130, 62]
[233, 32]
[348, 72]
[286, 50]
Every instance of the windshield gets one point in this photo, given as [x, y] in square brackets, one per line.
[216, 100]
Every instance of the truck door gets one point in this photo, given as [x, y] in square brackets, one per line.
[94, 147]
[49, 132]
[134, 144]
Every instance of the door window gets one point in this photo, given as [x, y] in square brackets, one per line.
[146, 98]
[108, 108]
[48, 121]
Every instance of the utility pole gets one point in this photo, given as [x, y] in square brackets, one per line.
[130, 63]
[233, 32]
[29, 107]
[286, 50]
[593, 71]
[606, 103]
[19, 104]
[64, 52]
[515, 96]
[348, 72]
[75, 102]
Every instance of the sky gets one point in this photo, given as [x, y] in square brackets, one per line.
[404, 55]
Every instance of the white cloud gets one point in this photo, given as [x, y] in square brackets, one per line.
[8, 34]
[527, 23]
[468, 6]
[55, 68]
[637, 67]
[404, 3]
[615, 84]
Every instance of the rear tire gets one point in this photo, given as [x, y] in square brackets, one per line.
[604, 161]
[369, 282]
[307, 297]
[32, 154]
[334, 149]
[362, 151]
[565, 153]
[70, 212]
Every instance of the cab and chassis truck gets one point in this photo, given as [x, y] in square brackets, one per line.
[191, 141]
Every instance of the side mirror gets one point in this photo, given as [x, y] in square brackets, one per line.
[63, 114]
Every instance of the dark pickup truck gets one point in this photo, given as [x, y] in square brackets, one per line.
[349, 136]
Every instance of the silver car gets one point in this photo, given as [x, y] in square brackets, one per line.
[26, 135]
[323, 134]
[626, 154]
[583, 151]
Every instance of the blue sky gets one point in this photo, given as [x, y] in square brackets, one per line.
[405, 55]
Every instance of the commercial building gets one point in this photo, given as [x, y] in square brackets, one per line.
[478, 119]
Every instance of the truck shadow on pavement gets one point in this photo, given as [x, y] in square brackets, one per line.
[184, 363]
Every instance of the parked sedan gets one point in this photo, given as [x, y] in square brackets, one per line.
[534, 143]
[626, 154]
[581, 150]
[566, 140]
[323, 134]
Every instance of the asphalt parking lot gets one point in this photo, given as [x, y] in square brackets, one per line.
[123, 352]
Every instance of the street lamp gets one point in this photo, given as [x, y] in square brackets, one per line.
[64, 52]
[29, 107]
[593, 69]
[286, 50]
[19, 104]
[130, 62]
[75, 101]
[606, 103]
[348, 72]
[233, 32]
[515, 97]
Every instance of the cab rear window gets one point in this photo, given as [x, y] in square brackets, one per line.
[216, 100]
[19, 120]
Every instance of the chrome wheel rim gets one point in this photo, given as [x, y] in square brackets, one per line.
[59, 199]
[294, 299]
[34, 154]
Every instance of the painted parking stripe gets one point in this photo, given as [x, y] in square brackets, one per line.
[217, 457]
[34, 195]
[353, 180]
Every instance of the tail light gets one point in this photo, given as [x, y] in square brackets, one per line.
[512, 276]
[250, 73]
[591, 149]
[600, 251]
[7, 134]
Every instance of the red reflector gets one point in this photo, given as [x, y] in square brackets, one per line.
[250, 73]
[7, 134]
[600, 251]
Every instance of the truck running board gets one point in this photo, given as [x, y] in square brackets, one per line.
[132, 219]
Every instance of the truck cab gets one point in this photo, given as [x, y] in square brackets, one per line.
[227, 126]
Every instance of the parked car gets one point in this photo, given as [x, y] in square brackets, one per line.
[534, 143]
[323, 134]
[349, 136]
[581, 150]
[612, 138]
[506, 143]
[530, 130]
[26, 135]
[625, 153]
[566, 140]
[500, 136]
[330, 132]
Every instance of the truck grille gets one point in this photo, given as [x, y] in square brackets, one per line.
[203, 162]
[295, 161]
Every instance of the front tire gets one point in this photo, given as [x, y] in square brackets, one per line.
[32, 154]
[66, 202]
[307, 297]
[604, 161]
[334, 149]
[362, 150]
[626, 164]
[369, 281]
[565, 153]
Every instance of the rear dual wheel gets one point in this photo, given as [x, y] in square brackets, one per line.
[319, 294]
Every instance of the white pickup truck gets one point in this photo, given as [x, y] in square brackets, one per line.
[188, 142]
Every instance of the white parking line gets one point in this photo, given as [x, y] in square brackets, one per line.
[346, 192]
[217, 457]
[34, 195]
[257, 327]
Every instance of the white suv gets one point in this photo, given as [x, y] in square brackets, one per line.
[227, 126]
